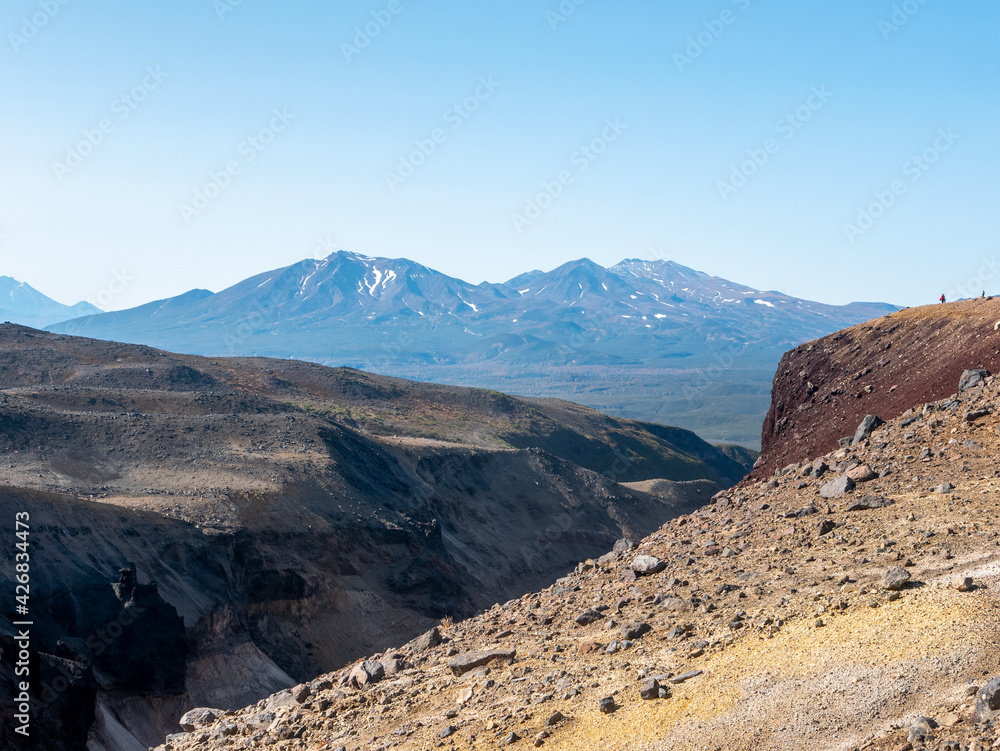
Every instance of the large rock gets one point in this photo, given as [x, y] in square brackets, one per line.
[472, 660]
[837, 487]
[647, 564]
[862, 473]
[199, 717]
[427, 640]
[895, 578]
[588, 616]
[988, 703]
[866, 428]
[366, 673]
[869, 503]
[971, 379]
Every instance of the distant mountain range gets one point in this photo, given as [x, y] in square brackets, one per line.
[650, 340]
[22, 303]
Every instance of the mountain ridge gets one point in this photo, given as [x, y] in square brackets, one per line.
[651, 340]
[21, 303]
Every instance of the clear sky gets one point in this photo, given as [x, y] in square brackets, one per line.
[739, 137]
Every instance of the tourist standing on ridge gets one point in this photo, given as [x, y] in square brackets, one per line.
[942, 298]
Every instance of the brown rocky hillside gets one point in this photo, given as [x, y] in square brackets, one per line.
[848, 601]
[823, 389]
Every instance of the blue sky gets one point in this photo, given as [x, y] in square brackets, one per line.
[769, 143]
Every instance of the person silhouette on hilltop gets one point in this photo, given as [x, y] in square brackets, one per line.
[942, 298]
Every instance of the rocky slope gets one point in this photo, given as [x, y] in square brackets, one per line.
[850, 600]
[823, 389]
[277, 519]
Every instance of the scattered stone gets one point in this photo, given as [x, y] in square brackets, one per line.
[825, 527]
[895, 578]
[650, 689]
[944, 487]
[624, 545]
[976, 414]
[647, 564]
[450, 730]
[862, 473]
[464, 695]
[921, 727]
[632, 631]
[837, 487]
[467, 661]
[988, 703]
[971, 379]
[589, 647]
[301, 692]
[588, 616]
[366, 673]
[426, 641]
[607, 705]
[554, 719]
[199, 717]
[511, 739]
[393, 663]
[866, 428]
[869, 503]
[685, 676]
[961, 583]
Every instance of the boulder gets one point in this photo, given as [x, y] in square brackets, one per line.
[623, 546]
[837, 487]
[895, 578]
[366, 673]
[866, 428]
[393, 663]
[971, 378]
[632, 631]
[921, 727]
[988, 703]
[961, 583]
[426, 641]
[825, 527]
[199, 717]
[588, 616]
[471, 660]
[862, 473]
[647, 564]
[650, 689]
[869, 503]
